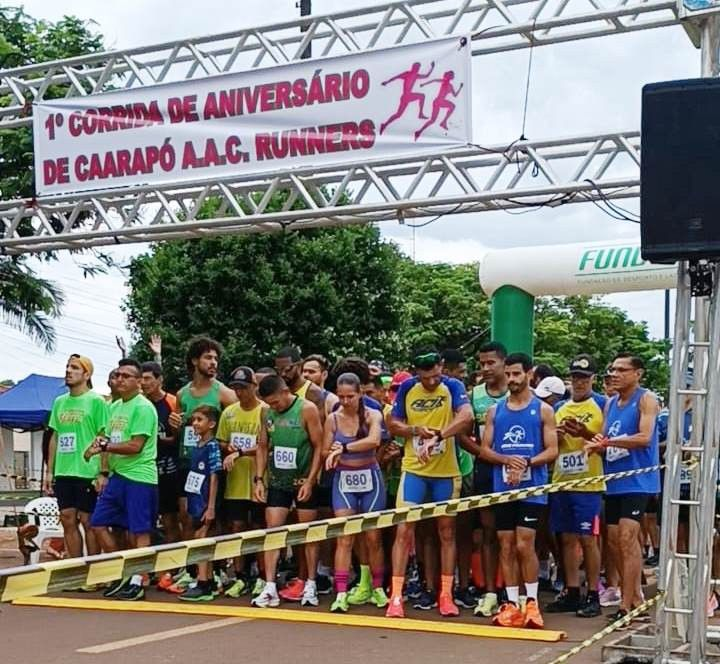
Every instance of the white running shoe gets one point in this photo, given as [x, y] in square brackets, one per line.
[610, 597]
[267, 598]
[310, 594]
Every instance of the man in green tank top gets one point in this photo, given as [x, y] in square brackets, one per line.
[491, 362]
[290, 448]
[204, 389]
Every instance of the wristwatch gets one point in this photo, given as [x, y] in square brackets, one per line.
[104, 444]
[104, 473]
[257, 479]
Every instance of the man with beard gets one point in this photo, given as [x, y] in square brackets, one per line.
[288, 364]
[76, 419]
[520, 440]
[204, 389]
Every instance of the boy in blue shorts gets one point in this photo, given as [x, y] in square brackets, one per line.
[201, 489]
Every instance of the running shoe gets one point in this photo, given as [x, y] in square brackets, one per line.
[446, 606]
[310, 595]
[324, 584]
[463, 597]
[618, 615]
[509, 616]
[533, 618]
[563, 604]
[359, 594]
[165, 581]
[426, 601]
[395, 608]
[131, 593]
[258, 587]
[379, 598]
[610, 597]
[115, 587]
[413, 589]
[293, 591]
[181, 584]
[268, 597]
[340, 605]
[202, 592]
[239, 587]
[487, 606]
[653, 561]
[590, 608]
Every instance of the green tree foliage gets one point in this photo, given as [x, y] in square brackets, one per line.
[327, 291]
[27, 302]
[442, 305]
[566, 326]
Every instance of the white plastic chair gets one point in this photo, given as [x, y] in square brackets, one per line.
[45, 514]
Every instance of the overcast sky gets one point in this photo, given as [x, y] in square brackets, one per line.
[576, 88]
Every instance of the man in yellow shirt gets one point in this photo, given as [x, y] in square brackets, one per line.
[429, 411]
[238, 431]
[576, 514]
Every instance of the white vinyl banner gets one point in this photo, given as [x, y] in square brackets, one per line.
[406, 100]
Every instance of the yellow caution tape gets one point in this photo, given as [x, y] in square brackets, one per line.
[622, 622]
[67, 574]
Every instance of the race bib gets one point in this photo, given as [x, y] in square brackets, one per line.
[615, 453]
[573, 463]
[190, 438]
[356, 481]
[285, 458]
[685, 475]
[194, 482]
[439, 448]
[116, 437]
[243, 441]
[66, 443]
[525, 477]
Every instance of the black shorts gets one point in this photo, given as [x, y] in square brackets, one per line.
[169, 491]
[245, 511]
[482, 477]
[288, 497]
[625, 506]
[75, 493]
[323, 491]
[518, 514]
[467, 488]
[652, 505]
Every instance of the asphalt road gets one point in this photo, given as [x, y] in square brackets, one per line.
[54, 635]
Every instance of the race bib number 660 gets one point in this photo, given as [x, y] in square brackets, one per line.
[285, 458]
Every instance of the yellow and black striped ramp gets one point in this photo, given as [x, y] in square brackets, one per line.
[74, 572]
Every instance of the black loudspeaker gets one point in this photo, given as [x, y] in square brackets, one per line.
[680, 170]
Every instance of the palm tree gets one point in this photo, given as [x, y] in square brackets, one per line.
[29, 302]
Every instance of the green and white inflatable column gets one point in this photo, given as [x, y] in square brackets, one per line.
[513, 278]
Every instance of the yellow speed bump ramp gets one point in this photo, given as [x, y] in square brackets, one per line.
[320, 617]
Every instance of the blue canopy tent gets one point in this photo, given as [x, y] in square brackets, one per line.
[27, 405]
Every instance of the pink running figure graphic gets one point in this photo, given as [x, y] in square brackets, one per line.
[408, 96]
[441, 102]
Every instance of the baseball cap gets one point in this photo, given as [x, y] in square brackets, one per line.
[550, 385]
[241, 377]
[399, 378]
[583, 365]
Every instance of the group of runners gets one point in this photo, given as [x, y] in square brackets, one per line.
[301, 440]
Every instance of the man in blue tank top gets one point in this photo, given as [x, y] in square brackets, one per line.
[629, 442]
[520, 440]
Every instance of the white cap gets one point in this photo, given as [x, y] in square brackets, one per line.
[550, 385]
